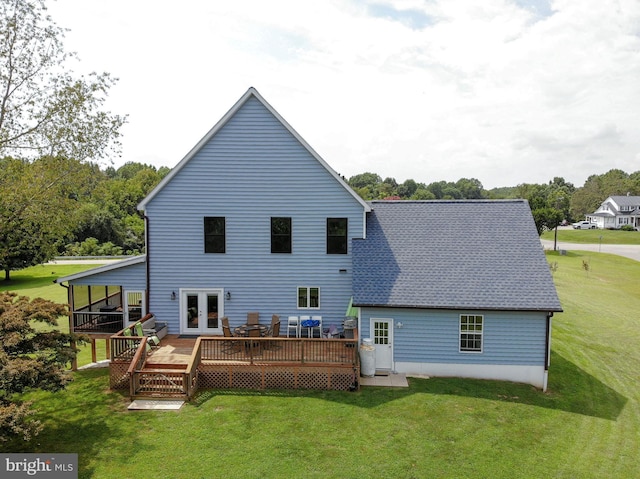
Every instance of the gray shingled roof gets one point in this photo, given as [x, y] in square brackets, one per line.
[626, 200]
[470, 254]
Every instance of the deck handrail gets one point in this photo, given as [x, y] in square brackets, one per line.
[189, 382]
[283, 350]
[137, 363]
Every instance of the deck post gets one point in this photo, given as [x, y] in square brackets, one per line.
[74, 361]
[93, 350]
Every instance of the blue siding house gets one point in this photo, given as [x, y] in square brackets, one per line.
[253, 219]
[455, 288]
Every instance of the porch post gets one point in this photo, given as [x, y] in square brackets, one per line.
[72, 343]
[93, 350]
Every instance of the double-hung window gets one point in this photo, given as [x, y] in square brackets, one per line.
[336, 235]
[308, 298]
[214, 234]
[471, 329]
[281, 235]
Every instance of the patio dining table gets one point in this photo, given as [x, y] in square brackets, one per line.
[243, 330]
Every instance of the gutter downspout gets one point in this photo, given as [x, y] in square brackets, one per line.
[547, 352]
[147, 261]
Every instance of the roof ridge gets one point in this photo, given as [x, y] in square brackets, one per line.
[481, 200]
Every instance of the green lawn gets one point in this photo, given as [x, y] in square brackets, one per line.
[586, 426]
[37, 281]
[594, 236]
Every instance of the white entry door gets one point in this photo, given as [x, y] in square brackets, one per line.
[201, 311]
[382, 335]
[134, 307]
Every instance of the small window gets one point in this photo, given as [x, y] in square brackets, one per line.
[214, 235]
[281, 235]
[336, 235]
[308, 298]
[471, 327]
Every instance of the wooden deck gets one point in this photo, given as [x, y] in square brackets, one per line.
[172, 350]
[181, 366]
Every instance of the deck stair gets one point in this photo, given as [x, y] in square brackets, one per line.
[159, 381]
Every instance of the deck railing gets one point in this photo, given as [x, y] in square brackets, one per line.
[279, 350]
[97, 322]
[137, 363]
[123, 348]
[329, 356]
[191, 372]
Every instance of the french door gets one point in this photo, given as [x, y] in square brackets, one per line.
[201, 311]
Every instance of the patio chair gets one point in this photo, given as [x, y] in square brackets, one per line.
[229, 347]
[253, 318]
[273, 332]
[316, 325]
[274, 319]
[132, 344]
[152, 339]
[293, 322]
[303, 321]
[252, 345]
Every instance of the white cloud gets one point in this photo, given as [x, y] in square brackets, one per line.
[503, 91]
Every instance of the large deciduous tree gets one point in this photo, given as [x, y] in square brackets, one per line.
[30, 358]
[44, 109]
[51, 122]
[38, 208]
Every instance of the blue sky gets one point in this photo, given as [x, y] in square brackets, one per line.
[505, 91]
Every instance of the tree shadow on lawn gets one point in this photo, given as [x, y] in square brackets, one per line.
[82, 419]
[571, 389]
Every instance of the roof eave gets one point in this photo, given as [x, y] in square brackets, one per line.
[102, 269]
[551, 309]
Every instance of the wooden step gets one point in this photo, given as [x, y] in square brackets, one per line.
[154, 370]
[164, 366]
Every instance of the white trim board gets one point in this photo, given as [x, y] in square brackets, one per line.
[534, 375]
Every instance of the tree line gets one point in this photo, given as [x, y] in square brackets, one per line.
[55, 206]
[550, 202]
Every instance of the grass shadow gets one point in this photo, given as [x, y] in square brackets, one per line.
[571, 389]
[69, 428]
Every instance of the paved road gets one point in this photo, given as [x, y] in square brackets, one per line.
[629, 251]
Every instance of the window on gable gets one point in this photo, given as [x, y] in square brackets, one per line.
[471, 328]
[281, 235]
[308, 298]
[214, 234]
[337, 235]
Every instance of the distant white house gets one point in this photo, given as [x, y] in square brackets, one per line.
[616, 212]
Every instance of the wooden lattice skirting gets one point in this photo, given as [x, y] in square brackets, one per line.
[240, 376]
[245, 376]
[118, 376]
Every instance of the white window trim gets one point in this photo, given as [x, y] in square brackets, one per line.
[308, 288]
[481, 333]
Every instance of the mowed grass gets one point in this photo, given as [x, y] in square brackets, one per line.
[596, 236]
[586, 426]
